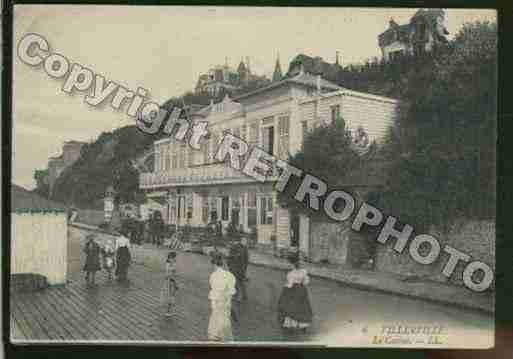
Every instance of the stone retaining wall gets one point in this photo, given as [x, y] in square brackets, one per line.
[476, 238]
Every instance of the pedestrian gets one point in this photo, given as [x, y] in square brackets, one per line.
[245, 262]
[123, 258]
[238, 258]
[170, 287]
[222, 288]
[237, 265]
[108, 258]
[92, 260]
[219, 233]
[294, 309]
[157, 224]
[139, 229]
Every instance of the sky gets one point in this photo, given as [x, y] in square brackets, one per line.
[164, 50]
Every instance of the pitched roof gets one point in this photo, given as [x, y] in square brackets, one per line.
[310, 80]
[314, 65]
[241, 67]
[304, 78]
[277, 75]
[400, 33]
[23, 201]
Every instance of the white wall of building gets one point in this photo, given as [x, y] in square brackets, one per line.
[39, 245]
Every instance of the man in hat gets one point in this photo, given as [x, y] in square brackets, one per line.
[237, 264]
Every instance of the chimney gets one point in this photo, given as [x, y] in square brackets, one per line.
[336, 58]
[247, 64]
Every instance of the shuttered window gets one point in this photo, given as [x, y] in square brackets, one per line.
[283, 130]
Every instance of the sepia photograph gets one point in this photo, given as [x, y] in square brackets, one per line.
[253, 176]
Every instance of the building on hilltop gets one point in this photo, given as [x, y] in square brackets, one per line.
[225, 78]
[191, 187]
[315, 65]
[70, 153]
[425, 31]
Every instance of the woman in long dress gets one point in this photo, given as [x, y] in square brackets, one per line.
[294, 309]
[92, 261]
[222, 288]
[123, 258]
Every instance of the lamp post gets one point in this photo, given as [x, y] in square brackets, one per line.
[108, 204]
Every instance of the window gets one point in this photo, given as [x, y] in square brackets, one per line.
[252, 209]
[254, 131]
[266, 210]
[204, 209]
[189, 205]
[174, 156]
[189, 155]
[236, 206]
[204, 149]
[304, 129]
[214, 144]
[182, 155]
[243, 132]
[335, 113]
[167, 164]
[283, 130]
[225, 203]
[212, 204]
[268, 139]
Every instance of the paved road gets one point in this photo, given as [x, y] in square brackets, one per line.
[343, 315]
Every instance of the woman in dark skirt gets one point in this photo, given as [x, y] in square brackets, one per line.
[92, 261]
[123, 259]
[294, 309]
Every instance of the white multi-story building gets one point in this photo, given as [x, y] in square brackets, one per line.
[192, 188]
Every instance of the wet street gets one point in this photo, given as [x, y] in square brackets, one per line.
[342, 316]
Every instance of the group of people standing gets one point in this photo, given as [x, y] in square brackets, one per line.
[115, 253]
[152, 229]
[227, 285]
[228, 291]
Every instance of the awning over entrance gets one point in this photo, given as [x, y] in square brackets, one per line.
[159, 197]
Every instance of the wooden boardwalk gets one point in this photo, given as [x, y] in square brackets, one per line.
[109, 311]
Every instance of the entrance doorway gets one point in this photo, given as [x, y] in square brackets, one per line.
[294, 230]
[268, 139]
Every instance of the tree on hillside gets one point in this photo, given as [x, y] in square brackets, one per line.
[328, 153]
[42, 186]
[445, 164]
[105, 162]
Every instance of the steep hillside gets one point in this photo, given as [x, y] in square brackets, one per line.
[102, 163]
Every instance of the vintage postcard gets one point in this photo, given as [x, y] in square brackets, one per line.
[253, 176]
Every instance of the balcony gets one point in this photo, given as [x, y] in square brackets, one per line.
[216, 173]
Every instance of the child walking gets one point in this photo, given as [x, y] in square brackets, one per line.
[169, 286]
[108, 258]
